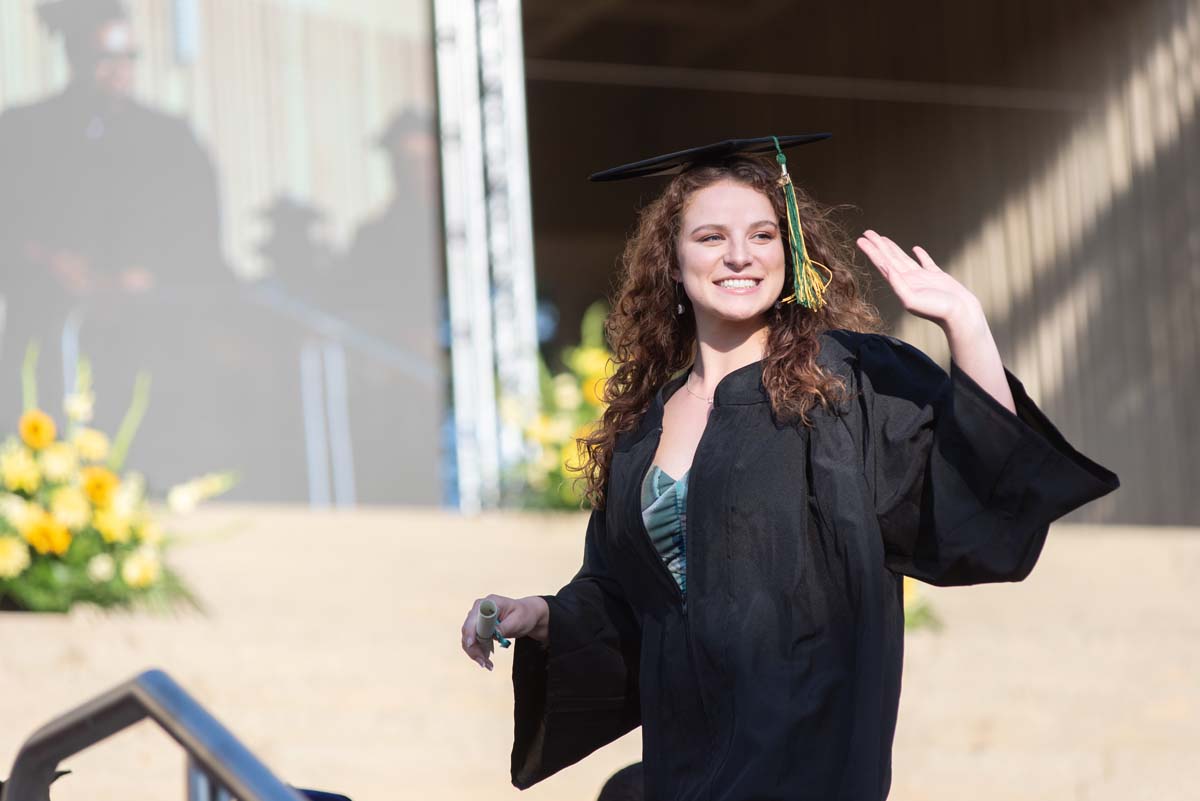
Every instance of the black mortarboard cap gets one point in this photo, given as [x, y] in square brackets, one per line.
[79, 17]
[672, 163]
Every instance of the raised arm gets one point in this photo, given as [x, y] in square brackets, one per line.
[928, 292]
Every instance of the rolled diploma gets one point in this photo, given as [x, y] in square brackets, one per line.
[485, 624]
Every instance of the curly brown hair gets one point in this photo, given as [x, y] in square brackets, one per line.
[650, 343]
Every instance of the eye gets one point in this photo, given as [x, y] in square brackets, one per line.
[764, 235]
[710, 237]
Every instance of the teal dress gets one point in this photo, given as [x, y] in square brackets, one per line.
[664, 505]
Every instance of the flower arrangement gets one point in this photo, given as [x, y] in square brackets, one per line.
[73, 527]
[571, 404]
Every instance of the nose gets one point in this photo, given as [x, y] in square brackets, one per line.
[737, 254]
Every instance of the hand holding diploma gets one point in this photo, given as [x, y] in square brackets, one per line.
[499, 618]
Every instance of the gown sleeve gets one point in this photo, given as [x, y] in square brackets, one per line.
[964, 490]
[579, 692]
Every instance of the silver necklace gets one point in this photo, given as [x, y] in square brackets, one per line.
[693, 394]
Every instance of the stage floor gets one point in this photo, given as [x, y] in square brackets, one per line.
[330, 647]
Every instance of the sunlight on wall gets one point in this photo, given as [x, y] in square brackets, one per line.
[1044, 225]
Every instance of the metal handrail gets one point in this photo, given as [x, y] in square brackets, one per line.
[151, 694]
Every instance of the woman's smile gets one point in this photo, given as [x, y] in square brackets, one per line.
[739, 286]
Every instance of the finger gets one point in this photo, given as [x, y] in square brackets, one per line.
[902, 259]
[479, 650]
[875, 255]
[926, 262]
[888, 252]
[468, 626]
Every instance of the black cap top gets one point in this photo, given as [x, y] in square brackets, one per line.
[76, 17]
[673, 163]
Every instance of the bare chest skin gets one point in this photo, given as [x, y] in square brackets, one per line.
[684, 420]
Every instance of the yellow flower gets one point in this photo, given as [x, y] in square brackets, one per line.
[14, 557]
[547, 430]
[100, 484]
[911, 593]
[70, 507]
[18, 469]
[593, 389]
[569, 456]
[37, 429]
[91, 444]
[59, 462]
[573, 454]
[113, 526]
[46, 534]
[141, 568]
[590, 361]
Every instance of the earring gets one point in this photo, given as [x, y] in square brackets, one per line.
[778, 305]
[678, 301]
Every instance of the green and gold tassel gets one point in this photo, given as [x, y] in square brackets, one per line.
[809, 284]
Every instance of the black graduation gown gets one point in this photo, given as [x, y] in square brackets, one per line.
[781, 677]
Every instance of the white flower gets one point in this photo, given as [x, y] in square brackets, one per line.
[59, 462]
[79, 406]
[101, 568]
[14, 557]
[566, 392]
[92, 445]
[15, 510]
[70, 507]
[141, 568]
[183, 498]
[128, 496]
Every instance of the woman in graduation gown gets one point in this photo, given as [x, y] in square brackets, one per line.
[760, 646]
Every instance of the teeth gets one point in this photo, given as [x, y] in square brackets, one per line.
[738, 282]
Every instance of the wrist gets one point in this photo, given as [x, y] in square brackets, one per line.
[966, 322]
[540, 611]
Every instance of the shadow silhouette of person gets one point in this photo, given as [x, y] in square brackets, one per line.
[389, 286]
[393, 258]
[296, 249]
[104, 200]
